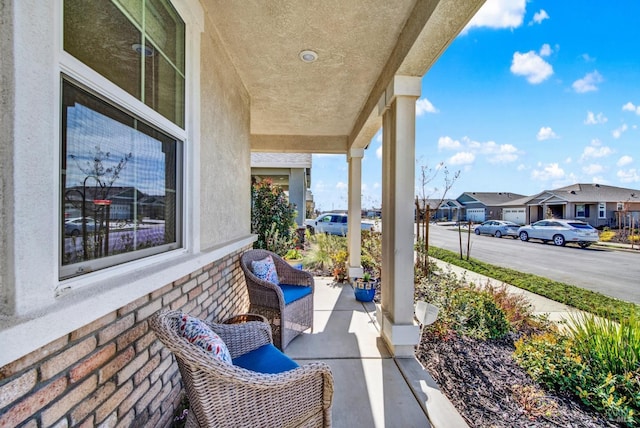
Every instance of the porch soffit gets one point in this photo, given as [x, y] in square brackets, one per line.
[330, 105]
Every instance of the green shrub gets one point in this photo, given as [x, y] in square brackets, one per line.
[610, 346]
[371, 253]
[558, 362]
[474, 313]
[322, 248]
[272, 217]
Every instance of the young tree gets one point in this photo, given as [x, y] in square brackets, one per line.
[423, 208]
[104, 170]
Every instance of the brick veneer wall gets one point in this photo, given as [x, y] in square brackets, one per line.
[113, 372]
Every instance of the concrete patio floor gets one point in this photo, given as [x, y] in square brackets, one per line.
[372, 389]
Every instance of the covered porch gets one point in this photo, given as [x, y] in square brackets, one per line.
[372, 387]
[249, 77]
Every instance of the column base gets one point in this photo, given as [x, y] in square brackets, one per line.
[355, 272]
[400, 338]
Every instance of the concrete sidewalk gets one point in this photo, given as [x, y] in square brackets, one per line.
[372, 389]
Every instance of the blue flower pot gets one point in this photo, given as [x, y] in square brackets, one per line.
[365, 292]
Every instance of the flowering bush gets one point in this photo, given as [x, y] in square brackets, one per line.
[597, 362]
[272, 217]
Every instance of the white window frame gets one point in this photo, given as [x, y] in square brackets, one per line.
[602, 210]
[193, 16]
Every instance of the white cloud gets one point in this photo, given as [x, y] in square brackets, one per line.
[587, 58]
[499, 14]
[423, 106]
[494, 152]
[448, 143]
[592, 169]
[502, 153]
[617, 133]
[341, 186]
[545, 50]
[629, 176]
[550, 171]
[630, 107]
[462, 158]
[624, 160]
[379, 152]
[593, 119]
[540, 16]
[588, 82]
[531, 66]
[546, 133]
[595, 150]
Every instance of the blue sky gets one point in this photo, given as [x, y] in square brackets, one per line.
[533, 95]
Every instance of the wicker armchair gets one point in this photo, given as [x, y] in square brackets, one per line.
[224, 395]
[267, 299]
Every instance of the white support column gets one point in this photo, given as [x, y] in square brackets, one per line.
[395, 314]
[354, 236]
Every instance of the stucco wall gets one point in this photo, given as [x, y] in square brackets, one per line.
[6, 155]
[225, 169]
[79, 350]
[35, 304]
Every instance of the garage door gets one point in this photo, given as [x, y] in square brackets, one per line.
[516, 215]
[475, 214]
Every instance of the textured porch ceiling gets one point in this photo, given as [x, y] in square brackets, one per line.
[329, 105]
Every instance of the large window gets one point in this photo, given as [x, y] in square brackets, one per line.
[121, 163]
[581, 210]
[137, 44]
[120, 185]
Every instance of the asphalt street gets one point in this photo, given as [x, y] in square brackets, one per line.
[610, 272]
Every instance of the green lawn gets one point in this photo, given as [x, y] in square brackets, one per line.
[571, 295]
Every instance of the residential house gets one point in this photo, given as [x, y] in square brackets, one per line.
[185, 91]
[482, 206]
[597, 204]
[443, 209]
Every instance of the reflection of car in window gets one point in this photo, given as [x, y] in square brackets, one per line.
[334, 224]
[73, 226]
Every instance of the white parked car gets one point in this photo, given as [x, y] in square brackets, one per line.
[560, 232]
[334, 224]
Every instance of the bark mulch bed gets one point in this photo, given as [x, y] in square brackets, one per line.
[490, 390]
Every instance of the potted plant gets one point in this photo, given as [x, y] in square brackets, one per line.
[294, 258]
[340, 265]
[364, 288]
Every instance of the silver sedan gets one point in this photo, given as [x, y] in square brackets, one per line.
[497, 228]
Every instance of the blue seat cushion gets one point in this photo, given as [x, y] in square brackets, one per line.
[265, 359]
[294, 292]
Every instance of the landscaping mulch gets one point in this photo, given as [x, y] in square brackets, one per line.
[489, 389]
